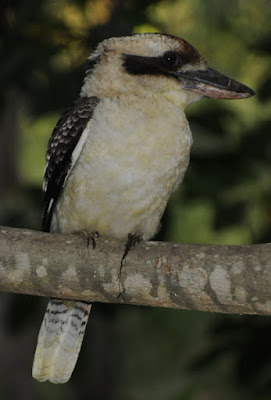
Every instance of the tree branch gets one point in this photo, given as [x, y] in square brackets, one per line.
[231, 279]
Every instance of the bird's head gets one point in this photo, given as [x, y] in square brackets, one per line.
[152, 63]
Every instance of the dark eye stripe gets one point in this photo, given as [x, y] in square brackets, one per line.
[166, 64]
[139, 65]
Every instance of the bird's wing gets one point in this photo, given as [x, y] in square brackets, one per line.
[65, 146]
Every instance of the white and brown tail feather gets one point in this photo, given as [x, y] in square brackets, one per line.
[60, 339]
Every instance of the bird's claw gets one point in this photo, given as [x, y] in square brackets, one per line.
[91, 237]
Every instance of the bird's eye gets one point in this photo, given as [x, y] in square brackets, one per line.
[171, 59]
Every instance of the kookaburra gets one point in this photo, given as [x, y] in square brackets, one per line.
[114, 158]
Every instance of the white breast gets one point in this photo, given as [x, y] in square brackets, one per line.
[135, 155]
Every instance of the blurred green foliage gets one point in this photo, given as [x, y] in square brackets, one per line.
[137, 353]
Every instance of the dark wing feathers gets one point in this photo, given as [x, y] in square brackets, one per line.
[61, 145]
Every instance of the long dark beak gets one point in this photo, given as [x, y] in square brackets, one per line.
[211, 83]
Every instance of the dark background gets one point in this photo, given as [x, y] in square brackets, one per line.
[136, 353]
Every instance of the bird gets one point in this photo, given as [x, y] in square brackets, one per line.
[115, 157]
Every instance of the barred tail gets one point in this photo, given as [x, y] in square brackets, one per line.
[60, 338]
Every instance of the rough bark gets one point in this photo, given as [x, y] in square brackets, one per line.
[231, 279]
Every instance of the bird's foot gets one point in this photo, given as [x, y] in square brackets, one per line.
[91, 237]
[132, 241]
